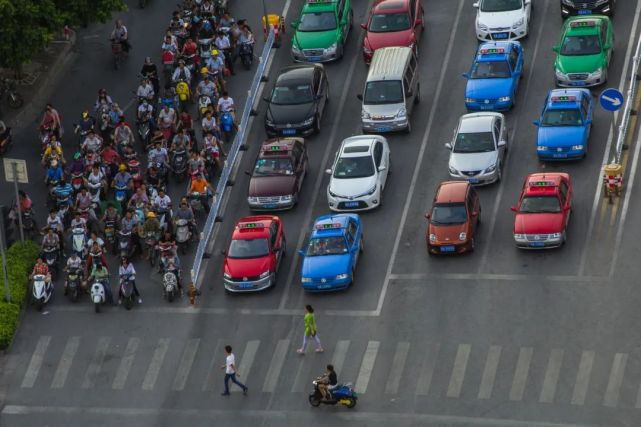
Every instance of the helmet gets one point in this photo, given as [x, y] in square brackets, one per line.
[151, 214]
[214, 52]
[85, 114]
[133, 163]
[122, 167]
[204, 71]
[77, 155]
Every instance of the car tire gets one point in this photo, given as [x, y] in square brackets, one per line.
[417, 98]
[317, 125]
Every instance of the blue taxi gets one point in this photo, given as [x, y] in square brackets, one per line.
[564, 125]
[493, 80]
[334, 247]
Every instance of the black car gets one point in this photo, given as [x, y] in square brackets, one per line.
[297, 101]
[587, 7]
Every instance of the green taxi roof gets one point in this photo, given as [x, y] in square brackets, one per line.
[312, 6]
[582, 26]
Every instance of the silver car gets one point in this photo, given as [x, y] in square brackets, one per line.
[478, 148]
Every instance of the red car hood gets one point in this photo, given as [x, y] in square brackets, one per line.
[398, 38]
[447, 234]
[239, 268]
[538, 223]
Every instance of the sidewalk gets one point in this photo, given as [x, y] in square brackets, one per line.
[38, 79]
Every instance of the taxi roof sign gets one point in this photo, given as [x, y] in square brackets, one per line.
[542, 183]
[329, 226]
[564, 98]
[577, 24]
[276, 148]
[492, 50]
[319, 1]
[251, 225]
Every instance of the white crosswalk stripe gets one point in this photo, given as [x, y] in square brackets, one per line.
[94, 367]
[458, 371]
[186, 361]
[247, 360]
[521, 374]
[340, 352]
[489, 372]
[611, 397]
[273, 372]
[125, 364]
[551, 376]
[214, 366]
[36, 362]
[427, 369]
[396, 370]
[583, 378]
[66, 360]
[156, 363]
[367, 366]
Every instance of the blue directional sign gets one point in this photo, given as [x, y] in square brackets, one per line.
[611, 99]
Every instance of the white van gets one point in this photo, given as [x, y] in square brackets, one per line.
[391, 91]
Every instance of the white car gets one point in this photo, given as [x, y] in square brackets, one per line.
[359, 173]
[502, 19]
[478, 149]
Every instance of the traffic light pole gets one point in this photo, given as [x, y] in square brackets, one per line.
[14, 166]
[3, 249]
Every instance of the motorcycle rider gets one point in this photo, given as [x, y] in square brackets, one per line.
[168, 249]
[226, 104]
[123, 135]
[54, 173]
[53, 151]
[167, 119]
[190, 48]
[103, 98]
[196, 164]
[95, 177]
[161, 204]
[123, 179]
[111, 214]
[153, 178]
[200, 185]
[51, 121]
[127, 271]
[214, 148]
[92, 142]
[74, 263]
[145, 113]
[182, 140]
[208, 123]
[41, 268]
[110, 158]
[185, 212]
[151, 225]
[206, 87]
[145, 90]
[85, 124]
[223, 44]
[54, 222]
[99, 273]
[327, 382]
[181, 73]
[121, 35]
[77, 166]
[150, 71]
[84, 203]
[158, 157]
[139, 197]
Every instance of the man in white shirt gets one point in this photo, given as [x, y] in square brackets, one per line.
[145, 90]
[230, 372]
[226, 103]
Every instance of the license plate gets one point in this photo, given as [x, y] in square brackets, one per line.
[324, 286]
[486, 107]
[383, 128]
[577, 83]
[269, 206]
[351, 204]
[450, 248]
[313, 58]
[289, 131]
[537, 244]
[559, 156]
[499, 36]
[473, 180]
[585, 12]
[245, 285]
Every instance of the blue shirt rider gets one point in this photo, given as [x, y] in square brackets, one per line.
[63, 191]
[54, 173]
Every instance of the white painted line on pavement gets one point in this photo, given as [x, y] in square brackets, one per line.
[156, 363]
[611, 397]
[521, 373]
[276, 365]
[638, 403]
[608, 145]
[62, 371]
[493, 276]
[427, 369]
[301, 378]
[419, 160]
[551, 378]
[96, 363]
[36, 362]
[340, 352]
[489, 372]
[367, 366]
[396, 370]
[583, 378]
[125, 364]
[458, 370]
[186, 362]
[214, 366]
[247, 360]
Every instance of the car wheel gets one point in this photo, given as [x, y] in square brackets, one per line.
[417, 98]
[317, 126]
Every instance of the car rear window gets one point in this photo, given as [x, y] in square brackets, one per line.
[490, 70]
[389, 22]
[248, 248]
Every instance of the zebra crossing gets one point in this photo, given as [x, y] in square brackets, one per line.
[429, 370]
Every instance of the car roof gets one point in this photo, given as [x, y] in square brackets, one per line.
[350, 146]
[477, 122]
[279, 145]
[319, 5]
[389, 63]
[544, 182]
[252, 227]
[335, 223]
[580, 25]
[451, 192]
[505, 46]
[302, 72]
[564, 98]
[390, 6]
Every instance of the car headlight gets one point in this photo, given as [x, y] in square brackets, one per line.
[342, 276]
[371, 190]
[306, 280]
[490, 169]
[287, 198]
[401, 113]
[481, 26]
[227, 275]
[332, 193]
[269, 123]
[432, 237]
[560, 75]
[541, 148]
[518, 23]
[577, 147]
[252, 200]
[519, 237]
[597, 74]
[504, 99]
[452, 170]
[365, 115]
[295, 49]
[332, 49]
[462, 236]
[469, 100]
[308, 121]
[263, 275]
[555, 236]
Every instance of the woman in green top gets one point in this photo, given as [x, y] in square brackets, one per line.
[310, 331]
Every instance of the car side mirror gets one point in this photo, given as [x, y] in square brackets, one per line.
[223, 252]
[607, 46]
[360, 96]
[556, 49]
[448, 145]
[428, 215]
[364, 26]
[502, 143]
[266, 99]
[301, 252]
[514, 209]
[418, 23]
[317, 97]
[381, 168]
[466, 75]
[588, 122]
[527, 2]
[536, 123]
[328, 171]
[294, 24]
[248, 173]
[476, 4]
[475, 213]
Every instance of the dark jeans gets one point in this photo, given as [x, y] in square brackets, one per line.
[232, 377]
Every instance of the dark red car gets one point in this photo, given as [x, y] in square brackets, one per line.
[393, 23]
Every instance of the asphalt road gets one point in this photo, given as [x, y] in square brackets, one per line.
[498, 337]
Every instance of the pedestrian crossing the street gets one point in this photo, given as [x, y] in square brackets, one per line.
[378, 368]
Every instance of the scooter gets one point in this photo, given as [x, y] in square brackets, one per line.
[246, 54]
[144, 131]
[127, 290]
[51, 259]
[120, 193]
[77, 181]
[42, 291]
[170, 284]
[183, 235]
[29, 226]
[179, 164]
[227, 125]
[205, 48]
[342, 394]
[110, 235]
[74, 281]
[79, 242]
[98, 295]
[125, 243]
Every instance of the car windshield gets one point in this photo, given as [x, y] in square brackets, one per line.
[480, 142]
[540, 204]
[581, 45]
[566, 117]
[319, 21]
[448, 214]
[292, 94]
[490, 70]
[248, 248]
[388, 22]
[354, 167]
[500, 5]
[334, 245]
[383, 92]
[274, 166]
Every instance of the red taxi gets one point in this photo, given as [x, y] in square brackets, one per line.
[543, 211]
[254, 254]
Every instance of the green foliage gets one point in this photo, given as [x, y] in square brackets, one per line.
[82, 12]
[9, 314]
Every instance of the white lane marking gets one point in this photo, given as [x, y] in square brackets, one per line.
[304, 417]
[96, 363]
[317, 188]
[214, 366]
[611, 397]
[276, 365]
[125, 364]
[288, 3]
[36, 362]
[489, 372]
[458, 370]
[608, 145]
[186, 362]
[499, 195]
[638, 403]
[156, 363]
[247, 360]
[583, 378]
[427, 369]
[396, 370]
[551, 376]
[367, 366]
[62, 371]
[496, 276]
[340, 352]
[521, 373]
[301, 378]
[419, 160]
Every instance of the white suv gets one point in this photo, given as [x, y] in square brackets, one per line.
[502, 19]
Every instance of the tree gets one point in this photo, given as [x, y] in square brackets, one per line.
[27, 26]
[83, 12]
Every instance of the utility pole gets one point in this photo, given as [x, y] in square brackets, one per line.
[3, 249]
[14, 167]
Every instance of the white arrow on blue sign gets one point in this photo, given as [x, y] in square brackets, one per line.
[611, 99]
